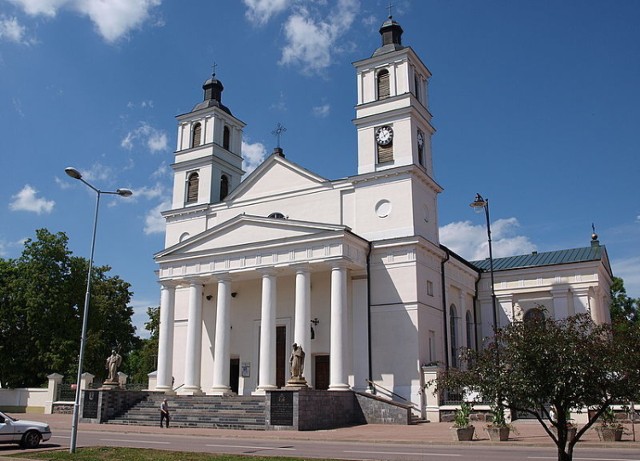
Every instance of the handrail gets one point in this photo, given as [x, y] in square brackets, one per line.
[392, 393]
[176, 388]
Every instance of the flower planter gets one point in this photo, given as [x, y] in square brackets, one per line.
[610, 434]
[498, 433]
[463, 434]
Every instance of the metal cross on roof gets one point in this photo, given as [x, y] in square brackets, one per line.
[214, 66]
[278, 132]
[389, 7]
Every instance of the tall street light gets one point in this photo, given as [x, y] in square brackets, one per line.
[75, 174]
[478, 205]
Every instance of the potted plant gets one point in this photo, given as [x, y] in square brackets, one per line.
[463, 429]
[609, 430]
[498, 429]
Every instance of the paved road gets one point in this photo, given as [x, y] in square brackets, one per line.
[430, 441]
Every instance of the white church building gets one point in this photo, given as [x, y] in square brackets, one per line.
[350, 269]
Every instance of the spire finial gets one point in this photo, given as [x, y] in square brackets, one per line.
[278, 132]
[214, 67]
[594, 236]
[389, 8]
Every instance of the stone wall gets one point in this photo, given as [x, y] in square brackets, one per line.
[310, 410]
[377, 410]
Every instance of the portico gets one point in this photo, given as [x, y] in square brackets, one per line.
[221, 284]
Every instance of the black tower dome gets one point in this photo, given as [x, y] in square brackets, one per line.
[391, 33]
[212, 95]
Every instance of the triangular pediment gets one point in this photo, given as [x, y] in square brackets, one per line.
[276, 175]
[245, 231]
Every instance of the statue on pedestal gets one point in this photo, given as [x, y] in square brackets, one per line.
[113, 362]
[296, 362]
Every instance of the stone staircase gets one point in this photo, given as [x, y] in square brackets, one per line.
[229, 412]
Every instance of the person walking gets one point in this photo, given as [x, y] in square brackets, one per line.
[164, 412]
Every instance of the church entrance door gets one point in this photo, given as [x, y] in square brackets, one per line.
[322, 372]
[234, 375]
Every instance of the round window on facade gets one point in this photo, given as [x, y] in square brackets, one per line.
[383, 208]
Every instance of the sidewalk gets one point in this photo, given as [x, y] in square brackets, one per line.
[529, 433]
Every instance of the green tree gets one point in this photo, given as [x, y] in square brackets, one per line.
[143, 360]
[564, 365]
[625, 311]
[41, 302]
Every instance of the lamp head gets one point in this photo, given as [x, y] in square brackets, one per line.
[75, 174]
[479, 203]
[124, 192]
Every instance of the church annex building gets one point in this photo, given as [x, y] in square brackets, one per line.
[352, 269]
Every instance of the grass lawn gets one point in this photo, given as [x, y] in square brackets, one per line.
[139, 454]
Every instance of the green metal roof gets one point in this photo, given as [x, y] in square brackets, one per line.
[549, 258]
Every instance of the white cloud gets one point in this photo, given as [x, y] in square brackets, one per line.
[113, 19]
[470, 241]
[27, 200]
[253, 155]
[322, 111]
[98, 173]
[149, 192]
[154, 223]
[260, 11]
[154, 139]
[162, 171]
[12, 31]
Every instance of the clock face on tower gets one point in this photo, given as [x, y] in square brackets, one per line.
[384, 135]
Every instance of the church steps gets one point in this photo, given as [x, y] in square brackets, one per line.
[230, 412]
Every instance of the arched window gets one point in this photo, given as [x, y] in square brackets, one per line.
[383, 84]
[226, 137]
[224, 186]
[470, 335]
[196, 134]
[416, 84]
[454, 335]
[534, 314]
[192, 187]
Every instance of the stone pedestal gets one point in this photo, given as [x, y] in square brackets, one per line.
[297, 383]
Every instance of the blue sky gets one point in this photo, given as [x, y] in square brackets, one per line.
[536, 106]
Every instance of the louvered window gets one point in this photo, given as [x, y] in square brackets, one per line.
[192, 187]
[383, 84]
[196, 134]
[385, 153]
[226, 137]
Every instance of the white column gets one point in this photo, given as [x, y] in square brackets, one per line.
[223, 336]
[360, 335]
[337, 367]
[267, 372]
[194, 341]
[165, 339]
[581, 303]
[302, 329]
[560, 302]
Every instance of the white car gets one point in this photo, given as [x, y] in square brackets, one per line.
[26, 433]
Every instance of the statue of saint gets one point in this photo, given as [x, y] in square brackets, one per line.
[113, 362]
[297, 361]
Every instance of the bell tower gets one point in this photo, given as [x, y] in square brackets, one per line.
[208, 158]
[392, 118]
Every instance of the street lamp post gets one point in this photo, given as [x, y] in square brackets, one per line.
[75, 174]
[479, 204]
